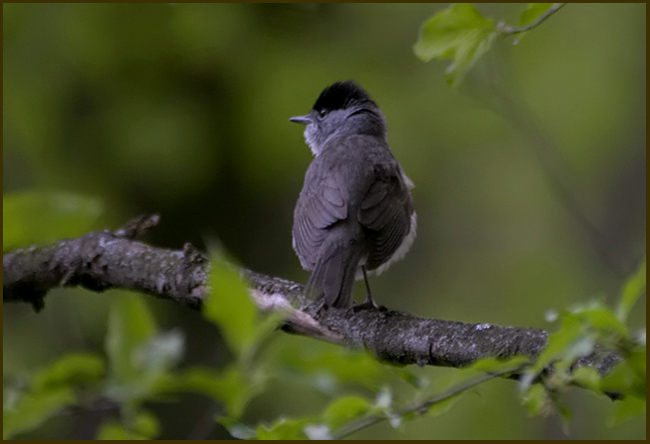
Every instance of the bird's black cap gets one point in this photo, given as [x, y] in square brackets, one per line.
[342, 95]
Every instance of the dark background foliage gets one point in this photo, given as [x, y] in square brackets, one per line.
[182, 110]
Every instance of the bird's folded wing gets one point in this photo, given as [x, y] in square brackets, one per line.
[386, 213]
[320, 205]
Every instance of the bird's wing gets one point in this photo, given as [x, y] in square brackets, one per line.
[321, 204]
[386, 213]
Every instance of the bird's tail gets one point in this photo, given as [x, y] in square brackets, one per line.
[333, 277]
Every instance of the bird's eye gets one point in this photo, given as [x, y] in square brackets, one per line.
[322, 113]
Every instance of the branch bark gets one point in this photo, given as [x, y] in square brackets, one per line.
[103, 260]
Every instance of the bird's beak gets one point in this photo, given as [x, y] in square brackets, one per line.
[303, 120]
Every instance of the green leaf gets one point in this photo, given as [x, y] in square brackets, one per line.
[328, 361]
[443, 406]
[459, 33]
[231, 387]
[413, 379]
[570, 330]
[161, 352]
[116, 431]
[582, 346]
[235, 390]
[146, 424]
[579, 331]
[533, 12]
[565, 414]
[75, 368]
[633, 288]
[201, 380]
[628, 408]
[587, 377]
[284, 429]
[236, 429]
[637, 360]
[32, 410]
[229, 306]
[44, 217]
[344, 410]
[629, 376]
[595, 314]
[535, 399]
[494, 365]
[50, 390]
[130, 326]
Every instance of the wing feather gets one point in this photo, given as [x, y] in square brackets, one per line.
[320, 205]
[386, 213]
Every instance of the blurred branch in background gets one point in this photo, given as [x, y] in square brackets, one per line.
[464, 35]
[422, 407]
[627, 199]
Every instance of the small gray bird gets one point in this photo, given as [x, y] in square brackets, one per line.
[355, 212]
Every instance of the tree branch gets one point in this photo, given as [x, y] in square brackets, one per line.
[517, 29]
[103, 260]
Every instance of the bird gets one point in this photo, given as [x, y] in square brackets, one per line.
[355, 213]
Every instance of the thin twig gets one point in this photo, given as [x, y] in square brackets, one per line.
[420, 408]
[510, 30]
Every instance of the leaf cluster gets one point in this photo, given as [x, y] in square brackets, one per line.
[461, 33]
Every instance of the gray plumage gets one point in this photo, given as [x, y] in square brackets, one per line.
[355, 208]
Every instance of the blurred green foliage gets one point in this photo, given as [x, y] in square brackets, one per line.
[181, 109]
[231, 308]
[142, 368]
[44, 217]
[581, 329]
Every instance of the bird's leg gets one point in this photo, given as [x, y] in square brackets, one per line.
[369, 302]
[368, 294]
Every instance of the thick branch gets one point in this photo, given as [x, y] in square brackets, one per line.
[103, 260]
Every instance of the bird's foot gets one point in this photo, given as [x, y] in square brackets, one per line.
[368, 304]
[315, 308]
